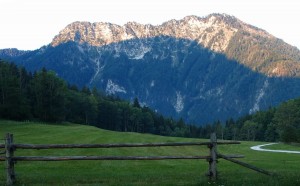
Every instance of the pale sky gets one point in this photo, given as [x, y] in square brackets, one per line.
[30, 24]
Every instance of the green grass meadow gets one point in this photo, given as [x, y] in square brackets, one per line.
[157, 172]
[282, 146]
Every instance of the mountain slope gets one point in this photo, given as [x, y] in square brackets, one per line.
[12, 52]
[201, 69]
[176, 77]
[221, 33]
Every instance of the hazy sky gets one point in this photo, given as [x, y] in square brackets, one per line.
[30, 24]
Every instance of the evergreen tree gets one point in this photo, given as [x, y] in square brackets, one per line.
[287, 118]
[136, 103]
[13, 105]
[49, 96]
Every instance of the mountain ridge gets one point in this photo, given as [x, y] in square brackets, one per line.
[101, 30]
[177, 76]
[251, 46]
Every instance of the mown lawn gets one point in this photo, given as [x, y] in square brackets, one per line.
[162, 172]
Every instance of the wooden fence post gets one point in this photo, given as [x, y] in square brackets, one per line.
[212, 172]
[9, 153]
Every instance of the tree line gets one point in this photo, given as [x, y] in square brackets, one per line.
[281, 123]
[42, 96]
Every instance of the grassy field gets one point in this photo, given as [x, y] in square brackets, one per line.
[282, 146]
[162, 172]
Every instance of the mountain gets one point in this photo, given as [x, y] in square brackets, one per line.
[12, 53]
[251, 46]
[200, 69]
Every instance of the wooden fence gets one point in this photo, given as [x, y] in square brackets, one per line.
[10, 159]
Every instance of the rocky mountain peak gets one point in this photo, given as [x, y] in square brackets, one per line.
[214, 31]
[222, 33]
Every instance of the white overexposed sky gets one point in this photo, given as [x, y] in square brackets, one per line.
[30, 24]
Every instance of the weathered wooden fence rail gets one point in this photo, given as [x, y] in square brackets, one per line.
[10, 159]
[64, 146]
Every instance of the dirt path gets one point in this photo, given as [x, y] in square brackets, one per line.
[258, 148]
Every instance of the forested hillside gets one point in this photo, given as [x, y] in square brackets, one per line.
[44, 97]
[276, 124]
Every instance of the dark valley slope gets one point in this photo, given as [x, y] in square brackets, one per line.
[200, 69]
